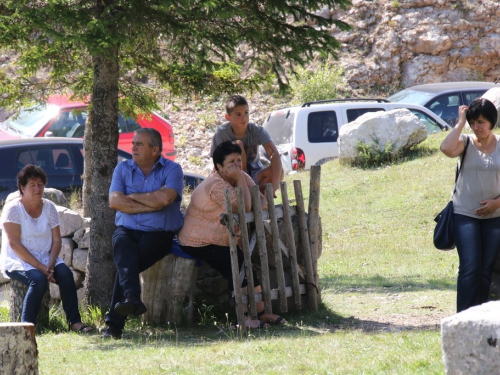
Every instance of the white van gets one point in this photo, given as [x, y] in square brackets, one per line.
[307, 135]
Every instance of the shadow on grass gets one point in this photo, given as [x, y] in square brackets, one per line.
[348, 284]
[299, 324]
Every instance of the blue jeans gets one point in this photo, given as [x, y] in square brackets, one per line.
[134, 251]
[37, 286]
[478, 244]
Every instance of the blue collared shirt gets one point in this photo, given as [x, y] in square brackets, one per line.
[128, 178]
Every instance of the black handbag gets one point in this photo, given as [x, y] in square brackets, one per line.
[443, 232]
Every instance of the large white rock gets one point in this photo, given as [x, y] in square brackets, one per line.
[67, 248]
[493, 95]
[70, 221]
[54, 195]
[79, 259]
[55, 293]
[471, 340]
[399, 127]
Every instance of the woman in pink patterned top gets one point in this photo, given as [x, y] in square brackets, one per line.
[204, 237]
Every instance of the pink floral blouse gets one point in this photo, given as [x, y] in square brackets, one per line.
[202, 225]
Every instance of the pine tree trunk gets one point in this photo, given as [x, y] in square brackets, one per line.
[19, 351]
[104, 135]
[166, 290]
[17, 292]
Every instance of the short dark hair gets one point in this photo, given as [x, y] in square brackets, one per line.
[482, 106]
[222, 150]
[29, 172]
[154, 137]
[233, 101]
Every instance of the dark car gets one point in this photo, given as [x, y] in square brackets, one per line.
[60, 158]
[443, 98]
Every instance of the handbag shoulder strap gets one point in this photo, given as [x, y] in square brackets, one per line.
[459, 166]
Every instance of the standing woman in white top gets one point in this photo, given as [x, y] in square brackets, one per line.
[476, 202]
[31, 245]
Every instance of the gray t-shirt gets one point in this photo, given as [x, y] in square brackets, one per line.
[479, 180]
[254, 136]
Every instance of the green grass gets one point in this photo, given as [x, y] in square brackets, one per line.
[384, 289]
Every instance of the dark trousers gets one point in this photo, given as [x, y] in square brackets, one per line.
[37, 286]
[219, 258]
[478, 244]
[134, 251]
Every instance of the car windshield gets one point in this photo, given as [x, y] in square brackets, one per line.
[411, 96]
[29, 121]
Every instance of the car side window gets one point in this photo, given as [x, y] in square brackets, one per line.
[23, 158]
[322, 127]
[122, 155]
[470, 96]
[446, 107]
[354, 113]
[54, 160]
[430, 124]
[66, 124]
[127, 125]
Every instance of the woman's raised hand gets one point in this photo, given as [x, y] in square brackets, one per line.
[462, 113]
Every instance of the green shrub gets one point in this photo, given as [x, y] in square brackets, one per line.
[321, 84]
[374, 154]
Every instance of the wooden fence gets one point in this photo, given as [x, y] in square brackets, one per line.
[253, 226]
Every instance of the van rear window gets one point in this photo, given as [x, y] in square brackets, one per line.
[322, 127]
[280, 126]
[353, 114]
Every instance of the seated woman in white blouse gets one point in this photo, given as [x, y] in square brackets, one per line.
[31, 245]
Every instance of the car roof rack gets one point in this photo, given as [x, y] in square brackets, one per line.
[378, 100]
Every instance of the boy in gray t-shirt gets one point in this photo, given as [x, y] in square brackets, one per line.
[249, 136]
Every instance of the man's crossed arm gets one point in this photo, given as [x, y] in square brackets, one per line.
[137, 203]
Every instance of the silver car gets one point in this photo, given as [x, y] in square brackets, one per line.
[443, 98]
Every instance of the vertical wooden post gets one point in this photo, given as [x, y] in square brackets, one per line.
[234, 263]
[246, 251]
[280, 274]
[313, 220]
[290, 243]
[312, 293]
[261, 242]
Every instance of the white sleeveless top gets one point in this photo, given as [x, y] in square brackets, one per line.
[36, 235]
[479, 180]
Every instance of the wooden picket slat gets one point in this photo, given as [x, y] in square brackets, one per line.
[280, 274]
[234, 263]
[246, 253]
[292, 251]
[313, 219]
[312, 293]
[265, 282]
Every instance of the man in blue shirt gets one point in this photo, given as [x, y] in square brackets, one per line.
[146, 193]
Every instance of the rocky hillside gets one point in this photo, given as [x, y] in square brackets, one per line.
[392, 44]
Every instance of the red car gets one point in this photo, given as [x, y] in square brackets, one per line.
[62, 118]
